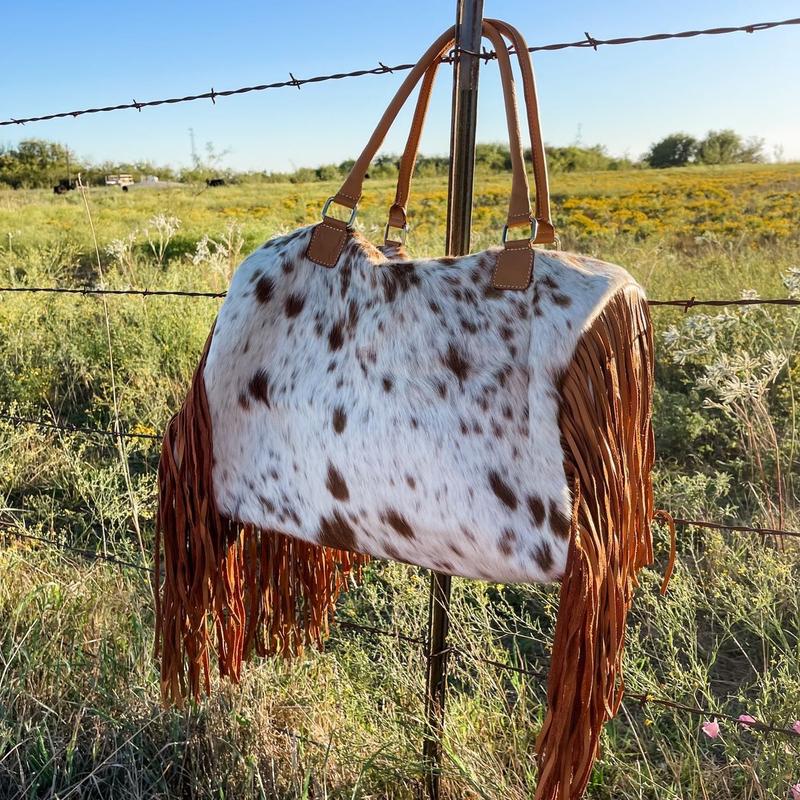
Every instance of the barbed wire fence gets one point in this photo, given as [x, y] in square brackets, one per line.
[685, 304]
[588, 41]
[643, 698]
[14, 529]
[66, 427]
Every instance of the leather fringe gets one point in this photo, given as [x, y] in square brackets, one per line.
[252, 591]
[606, 428]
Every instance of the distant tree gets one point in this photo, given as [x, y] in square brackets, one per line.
[493, 157]
[582, 159]
[431, 166]
[675, 150]
[36, 163]
[208, 165]
[303, 175]
[328, 172]
[727, 147]
[384, 167]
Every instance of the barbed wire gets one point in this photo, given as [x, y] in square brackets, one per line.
[747, 301]
[91, 290]
[588, 41]
[391, 634]
[11, 531]
[642, 698]
[92, 555]
[66, 427]
[735, 528]
[685, 304]
[645, 698]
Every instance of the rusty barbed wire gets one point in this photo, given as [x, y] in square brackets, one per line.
[91, 290]
[459, 652]
[67, 427]
[588, 41]
[685, 304]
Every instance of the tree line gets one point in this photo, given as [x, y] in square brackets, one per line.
[36, 163]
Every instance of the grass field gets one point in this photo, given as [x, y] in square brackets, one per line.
[79, 709]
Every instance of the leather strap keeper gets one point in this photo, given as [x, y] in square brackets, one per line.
[514, 267]
[545, 232]
[328, 241]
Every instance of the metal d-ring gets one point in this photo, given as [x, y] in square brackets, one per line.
[353, 210]
[403, 233]
[534, 230]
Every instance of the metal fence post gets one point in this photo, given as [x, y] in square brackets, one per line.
[469, 16]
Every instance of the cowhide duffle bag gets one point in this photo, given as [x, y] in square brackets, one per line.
[487, 416]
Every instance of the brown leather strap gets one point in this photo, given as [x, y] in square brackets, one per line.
[330, 235]
[397, 213]
[350, 193]
[515, 264]
[545, 231]
[519, 205]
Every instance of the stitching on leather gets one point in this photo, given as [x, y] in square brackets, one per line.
[348, 196]
[520, 217]
[529, 93]
[520, 287]
[339, 231]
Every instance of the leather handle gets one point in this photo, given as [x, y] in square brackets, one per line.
[350, 193]
[545, 230]
[546, 234]
[330, 236]
[515, 264]
[397, 213]
[519, 205]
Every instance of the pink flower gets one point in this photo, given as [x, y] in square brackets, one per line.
[745, 720]
[711, 729]
[796, 726]
[795, 790]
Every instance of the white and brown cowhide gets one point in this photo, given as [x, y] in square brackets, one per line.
[403, 409]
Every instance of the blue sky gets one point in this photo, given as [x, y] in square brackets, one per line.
[57, 56]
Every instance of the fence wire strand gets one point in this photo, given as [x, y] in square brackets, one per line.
[67, 427]
[588, 41]
[685, 304]
[91, 555]
[646, 698]
[19, 421]
[642, 698]
[92, 290]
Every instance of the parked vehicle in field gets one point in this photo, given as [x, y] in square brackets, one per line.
[123, 179]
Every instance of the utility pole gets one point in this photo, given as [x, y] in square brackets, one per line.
[194, 149]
